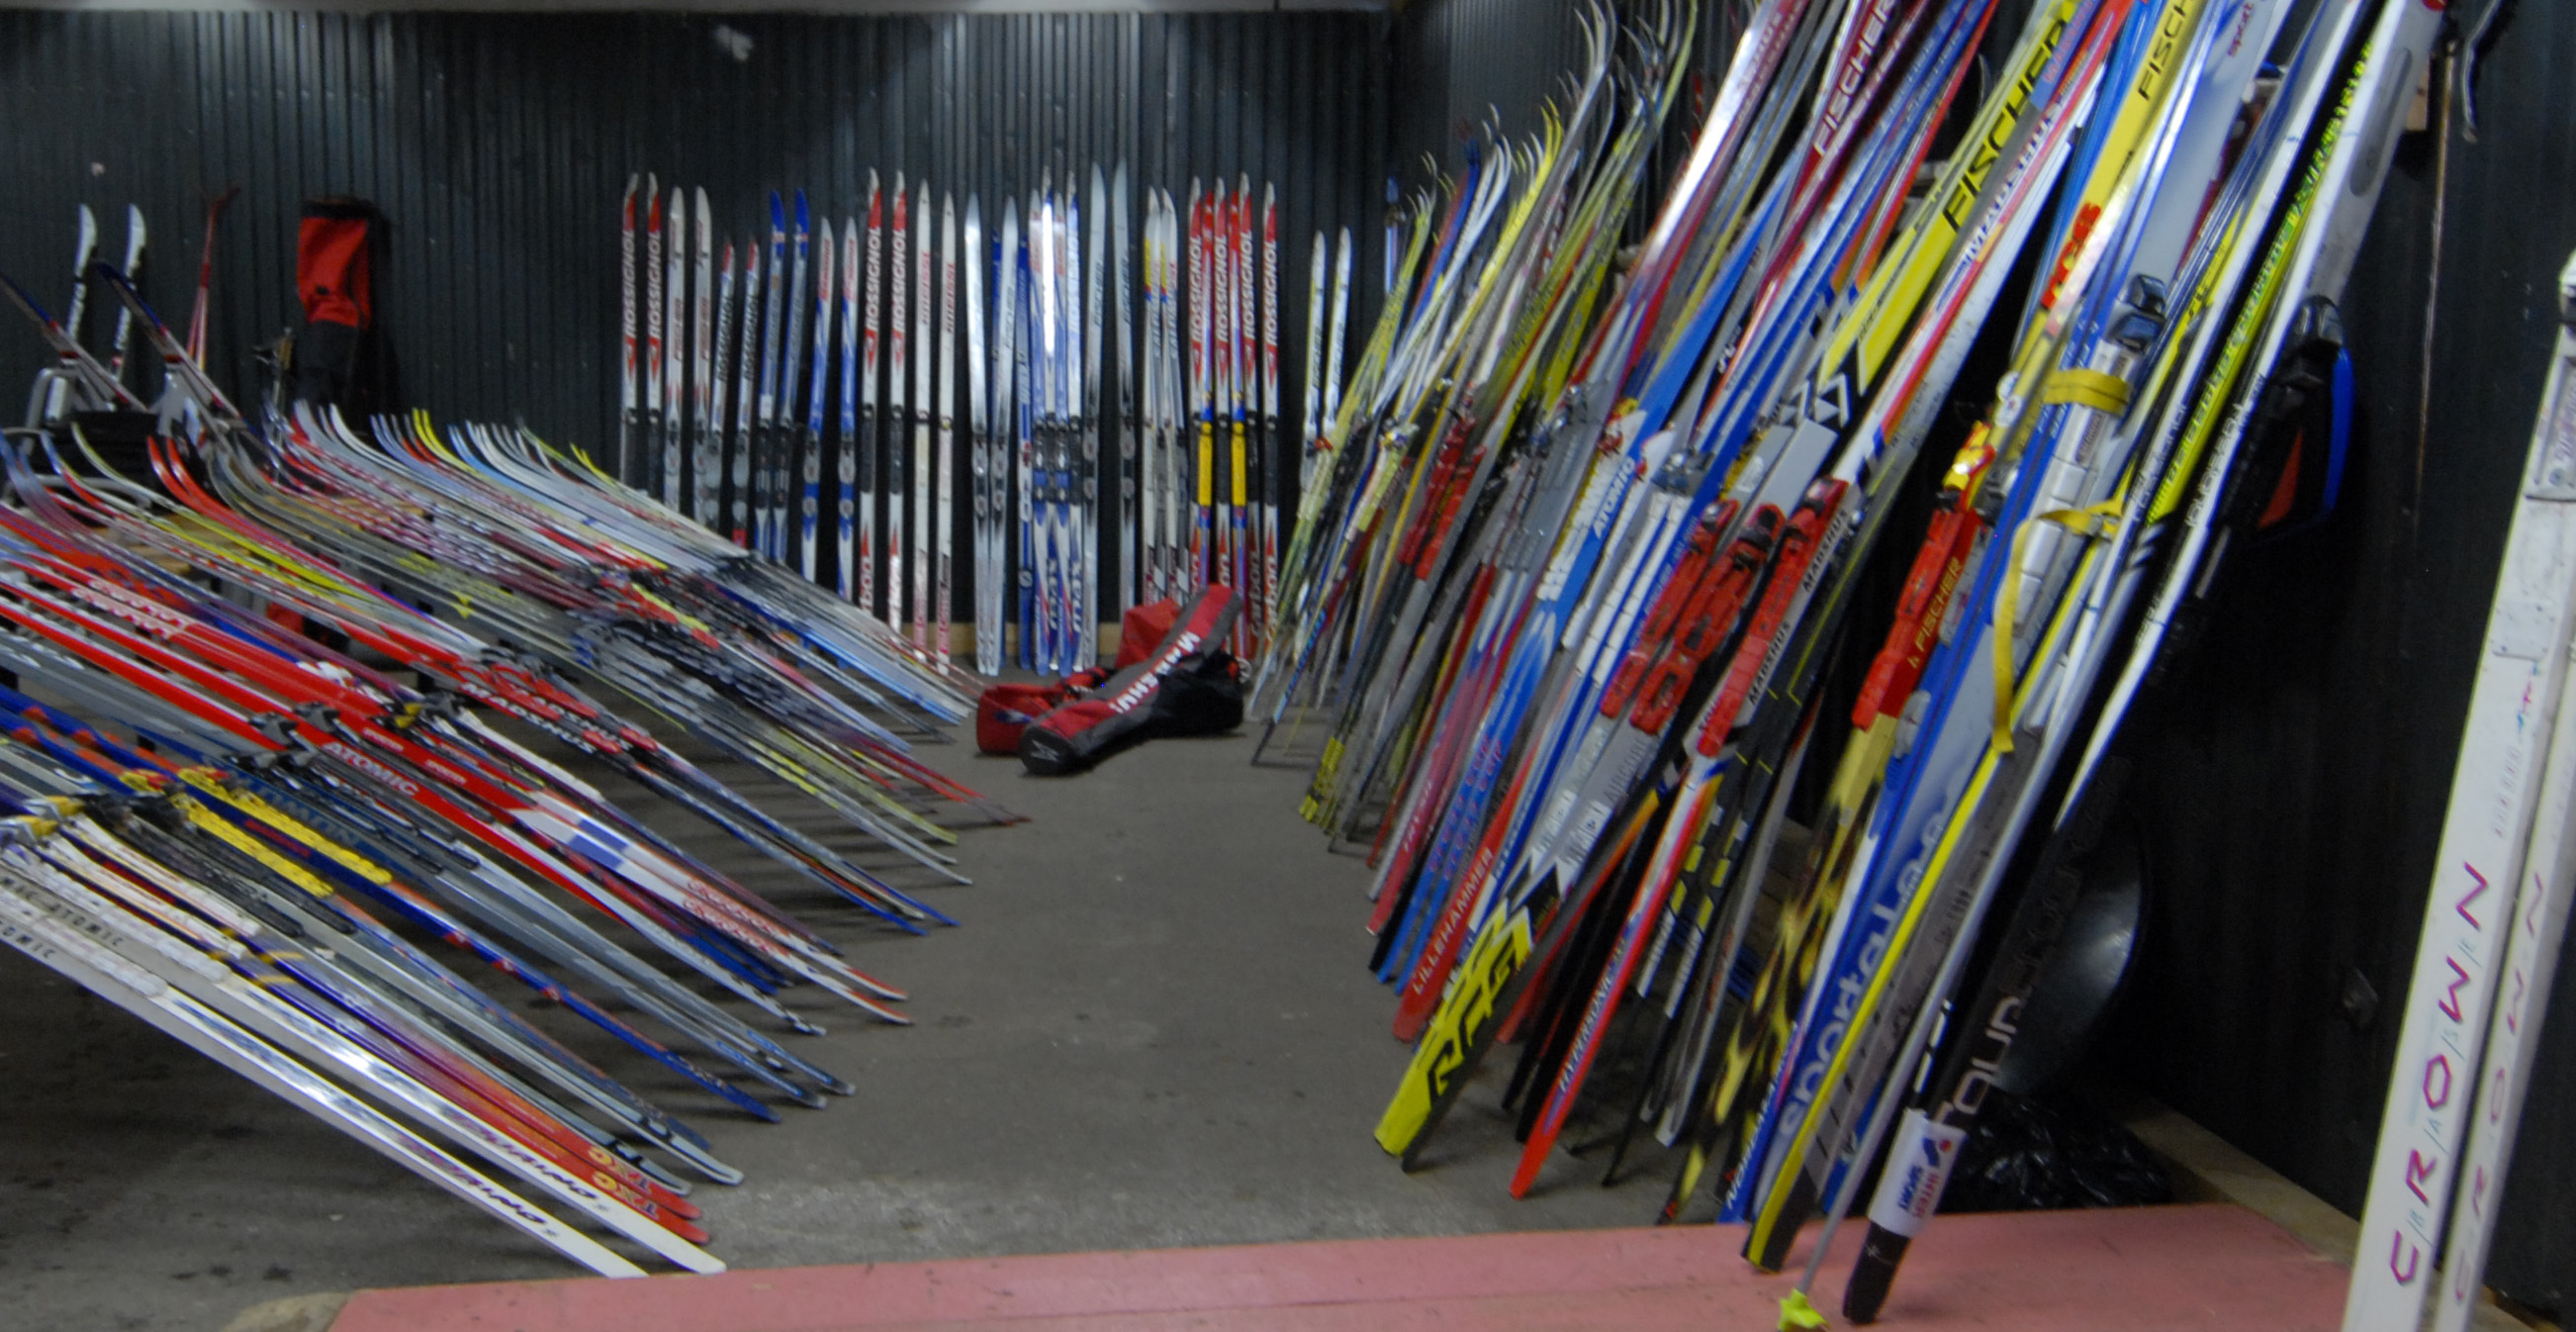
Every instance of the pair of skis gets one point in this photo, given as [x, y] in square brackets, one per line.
[1233, 395]
[1162, 569]
[59, 389]
[674, 339]
[1054, 344]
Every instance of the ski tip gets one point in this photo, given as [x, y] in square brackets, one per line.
[1797, 1314]
[713, 1170]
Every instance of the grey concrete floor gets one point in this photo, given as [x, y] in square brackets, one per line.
[1153, 1028]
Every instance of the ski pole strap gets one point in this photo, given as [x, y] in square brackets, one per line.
[2088, 388]
[2090, 523]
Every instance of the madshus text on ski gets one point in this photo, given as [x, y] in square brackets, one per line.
[278, 690]
[1587, 534]
[1099, 442]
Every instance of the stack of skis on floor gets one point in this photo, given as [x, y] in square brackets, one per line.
[1597, 541]
[237, 815]
[1066, 422]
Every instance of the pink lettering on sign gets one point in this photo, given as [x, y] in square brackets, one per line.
[2437, 1065]
[2419, 1170]
[2449, 1003]
[2474, 894]
[2412, 1260]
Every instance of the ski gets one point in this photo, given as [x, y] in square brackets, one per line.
[1270, 447]
[745, 404]
[1130, 571]
[925, 359]
[703, 464]
[987, 549]
[792, 358]
[675, 351]
[2538, 922]
[809, 512]
[848, 580]
[1019, 336]
[53, 387]
[1202, 397]
[721, 406]
[944, 506]
[898, 419]
[137, 237]
[1153, 438]
[868, 444]
[202, 309]
[1090, 263]
[1046, 377]
[775, 298]
[649, 426]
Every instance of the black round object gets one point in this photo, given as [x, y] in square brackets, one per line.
[2083, 976]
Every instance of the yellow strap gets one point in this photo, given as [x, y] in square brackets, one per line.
[2089, 524]
[223, 830]
[2088, 388]
[1971, 459]
[210, 783]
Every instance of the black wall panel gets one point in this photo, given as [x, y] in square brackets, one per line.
[498, 145]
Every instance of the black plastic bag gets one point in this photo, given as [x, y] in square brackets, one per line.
[2031, 1156]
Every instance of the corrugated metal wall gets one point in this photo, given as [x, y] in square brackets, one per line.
[499, 145]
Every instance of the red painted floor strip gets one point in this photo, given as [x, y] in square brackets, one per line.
[2142, 1270]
